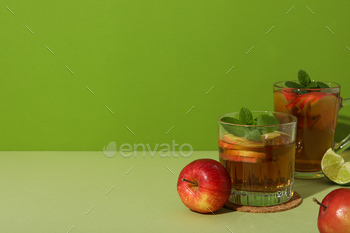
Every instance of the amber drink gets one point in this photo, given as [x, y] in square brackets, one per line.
[317, 111]
[261, 171]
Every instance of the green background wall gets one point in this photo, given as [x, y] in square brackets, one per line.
[151, 61]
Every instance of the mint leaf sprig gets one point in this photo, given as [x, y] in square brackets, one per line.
[246, 118]
[305, 82]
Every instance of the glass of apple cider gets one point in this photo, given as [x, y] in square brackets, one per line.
[317, 111]
[261, 167]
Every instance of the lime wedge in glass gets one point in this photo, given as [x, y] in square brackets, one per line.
[335, 168]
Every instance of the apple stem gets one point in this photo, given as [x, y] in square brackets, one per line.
[315, 200]
[183, 179]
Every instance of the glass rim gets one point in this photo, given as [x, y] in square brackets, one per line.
[294, 121]
[281, 84]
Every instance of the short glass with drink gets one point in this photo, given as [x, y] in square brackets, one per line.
[261, 167]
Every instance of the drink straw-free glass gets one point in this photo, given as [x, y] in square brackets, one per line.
[261, 171]
[317, 112]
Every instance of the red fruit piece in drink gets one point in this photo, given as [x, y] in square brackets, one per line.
[294, 103]
[303, 102]
[245, 153]
[289, 95]
[240, 159]
[230, 138]
[225, 145]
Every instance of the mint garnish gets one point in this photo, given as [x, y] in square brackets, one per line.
[312, 85]
[305, 82]
[253, 135]
[235, 130]
[246, 118]
[267, 120]
[304, 78]
[322, 85]
[293, 84]
[230, 120]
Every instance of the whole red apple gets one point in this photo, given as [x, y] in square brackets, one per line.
[204, 185]
[334, 215]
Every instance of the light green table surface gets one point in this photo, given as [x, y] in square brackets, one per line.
[89, 192]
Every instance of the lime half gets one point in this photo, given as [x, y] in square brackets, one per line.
[335, 168]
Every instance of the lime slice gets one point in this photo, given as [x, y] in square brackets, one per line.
[335, 169]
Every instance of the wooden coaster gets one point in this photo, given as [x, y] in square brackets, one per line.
[292, 203]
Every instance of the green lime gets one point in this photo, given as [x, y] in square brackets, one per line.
[335, 168]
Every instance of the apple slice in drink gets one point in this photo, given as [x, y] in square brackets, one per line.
[245, 153]
[230, 138]
[293, 103]
[243, 156]
[289, 95]
[302, 103]
[280, 102]
[224, 156]
[225, 145]
[242, 141]
[323, 110]
[232, 146]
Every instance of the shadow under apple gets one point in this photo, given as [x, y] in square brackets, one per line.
[224, 210]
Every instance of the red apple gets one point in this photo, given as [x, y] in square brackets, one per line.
[334, 215]
[204, 185]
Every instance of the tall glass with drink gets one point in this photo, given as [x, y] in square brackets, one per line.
[316, 105]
